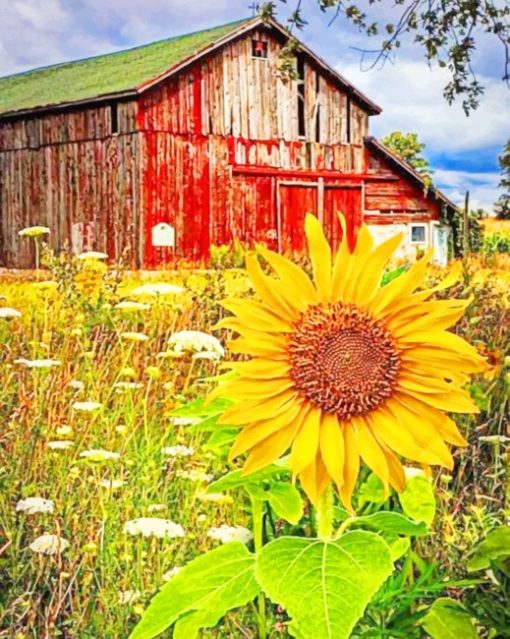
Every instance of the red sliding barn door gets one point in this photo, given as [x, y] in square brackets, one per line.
[346, 200]
[295, 200]
[254, 218]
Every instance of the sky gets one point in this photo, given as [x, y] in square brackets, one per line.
[462, 150]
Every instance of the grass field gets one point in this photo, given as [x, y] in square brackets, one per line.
[99, 413]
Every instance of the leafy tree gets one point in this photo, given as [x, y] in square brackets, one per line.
[446, 30]
[409, 148]
[502, 206]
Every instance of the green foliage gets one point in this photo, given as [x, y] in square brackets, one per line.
[407, 147]
[199, 595]
[418, 500]
[502, 206]
[495, 548]
[286, 501]
[447, 619]
[392, 523]
[335, 579]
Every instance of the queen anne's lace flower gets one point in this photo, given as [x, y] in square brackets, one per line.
[38, 363]
[49, 545]
[153, 527]
[33, 505]
[60, 445]
[195, 342]
[98, 455]
[194, 475]
[226, 534]
[86, 407]
[178, 451]
[132, 336]
[128, 306]
[156, 289]
[34, 231]
[9, 313]
[92, 255]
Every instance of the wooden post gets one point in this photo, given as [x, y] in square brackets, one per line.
[465, 227]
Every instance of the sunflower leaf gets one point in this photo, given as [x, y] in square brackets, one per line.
[418, 500]
[201, 593]
[285, 499]
[495, 546]
[447, 619]
[392, 524]
[336, 580]
[235, 478]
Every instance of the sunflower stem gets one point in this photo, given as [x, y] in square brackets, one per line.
[257, 513]
[325, 515]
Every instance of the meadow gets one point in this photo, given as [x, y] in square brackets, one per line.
[103, 423]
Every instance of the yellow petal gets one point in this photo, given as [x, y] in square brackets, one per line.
[457, 402]
[295, 279]
[341, 267]
[252, 435]
[306, 443]
[254, 313]
[351, 466]
[260, 348]
[370, 276]
[247, 412]
[370, 452]
[266, 289]
[320, 256]
[241, 388]
[332, 448]
[261, 369]
[269, 450]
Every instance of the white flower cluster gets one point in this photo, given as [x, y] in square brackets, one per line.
[178, 451]
[38, 363]
[33, 505]
[202, 345]
[153, 527]
[226, 534]
[9, 313]
[49, 545]
[98, 455]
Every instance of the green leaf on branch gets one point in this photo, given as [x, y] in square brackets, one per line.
[447, 619]
[418, 500]
[392, 524]
[201, 593]
[495, 547]
[372, 491]
[285, 499]
[398, 547]
[336, 580]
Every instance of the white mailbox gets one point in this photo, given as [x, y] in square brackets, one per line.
[163, 235]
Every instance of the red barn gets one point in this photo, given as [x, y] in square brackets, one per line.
[167, 149]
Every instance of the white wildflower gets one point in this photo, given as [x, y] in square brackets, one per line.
[38, 363]
[156, 508]
[33, 505]
[211, 355]
[63, 431]
[34, 231]
[49, 545]
[9, 313]
[76, 385]
[60, 445]
[195, 342]
[171, 573]
[87, 407]
[185, 421]
[153, 527]
[112, 484]
[194, 475]
[127, 597]
[178, 451]
[156, 289]
[226, 534]
[219, 498]
[121, 386]
[92, 255]
[98, 455]
[128, 306]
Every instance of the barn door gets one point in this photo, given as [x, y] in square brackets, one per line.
[295, 200]
[254, 212]
[342, 199]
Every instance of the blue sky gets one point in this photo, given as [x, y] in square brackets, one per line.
[463, 151]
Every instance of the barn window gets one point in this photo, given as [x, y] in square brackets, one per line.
[301, 96]
[259, 49]
[418, 233]
[114, 117]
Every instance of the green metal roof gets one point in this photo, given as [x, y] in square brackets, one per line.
[111, 74]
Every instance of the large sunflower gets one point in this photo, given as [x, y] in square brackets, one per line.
[343, 369]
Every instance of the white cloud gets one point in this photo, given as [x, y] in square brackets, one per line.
[411, 97]
[482, 187]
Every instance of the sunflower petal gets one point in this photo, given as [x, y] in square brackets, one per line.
[320, 256]
[269, 450]
[371, 453]
[351, 467]
[306, 443]
[332, 448]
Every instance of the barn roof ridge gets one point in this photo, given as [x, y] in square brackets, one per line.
[17, 100]
[404, 167]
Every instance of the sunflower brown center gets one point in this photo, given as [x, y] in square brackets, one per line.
[343, 360]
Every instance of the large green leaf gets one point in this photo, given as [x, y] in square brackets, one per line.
[494, 547]
[392, 524]
[236, 479]
[285, 499]
[201, 593]
[447, 619]
[324, 586]
[418, 500]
